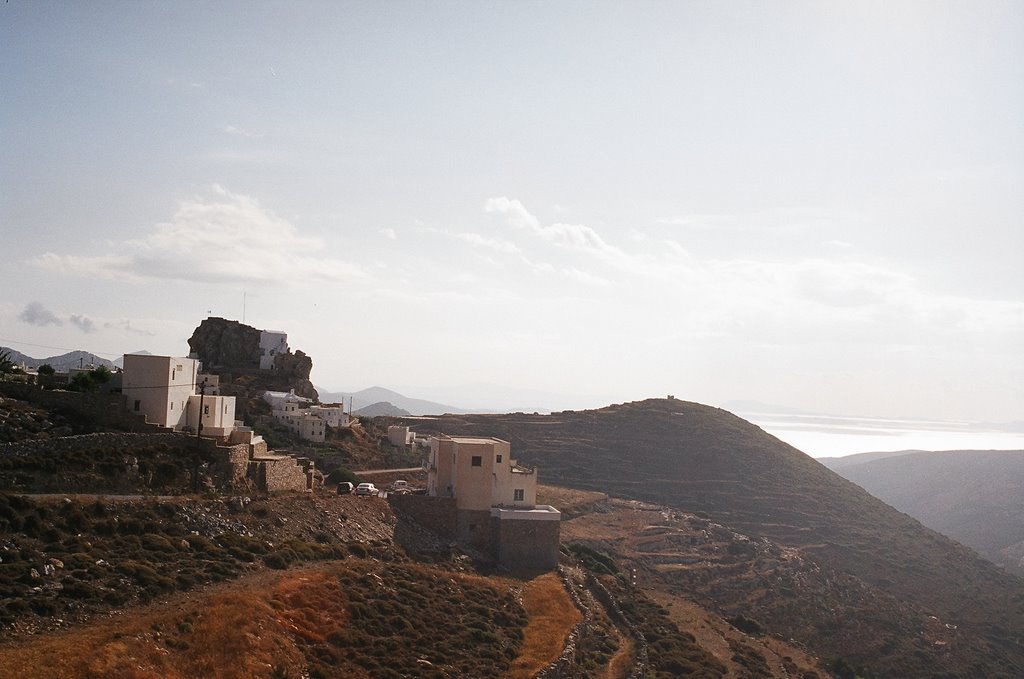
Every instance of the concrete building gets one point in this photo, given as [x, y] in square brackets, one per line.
[495, 501]
[163, 390]
[158, 387]
[333, 414]
[479, 473]
[272, 343]
[399, 435]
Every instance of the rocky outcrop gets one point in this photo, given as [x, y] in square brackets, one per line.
[295, 369]
[220, 343]
[232, 350]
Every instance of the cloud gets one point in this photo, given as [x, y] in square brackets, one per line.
[573, 236]
[220, 238]
[127, 326]
[477, 240]
[83, 323]
[35, 313]
[388, 233]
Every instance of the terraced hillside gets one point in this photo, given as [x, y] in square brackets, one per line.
[706, 460]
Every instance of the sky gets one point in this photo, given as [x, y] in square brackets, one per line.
[819, 205]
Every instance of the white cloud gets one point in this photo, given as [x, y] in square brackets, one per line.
[222, 238]
[388, 233]
[35, 313]
[83, 323]
[478, 240]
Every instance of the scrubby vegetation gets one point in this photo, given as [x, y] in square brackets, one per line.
[64, 558]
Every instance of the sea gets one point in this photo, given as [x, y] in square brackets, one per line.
[837, 436]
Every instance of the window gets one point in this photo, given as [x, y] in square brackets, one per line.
[518, 495]
[138, 406]
[498, 459]
[172, 405]
[173, 373]
[206, 410]
[477, 461]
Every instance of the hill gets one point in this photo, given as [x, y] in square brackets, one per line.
[375, 395]
[381, 409]
[881, 575]
[61, 363]
[837, 463]
[973, 496]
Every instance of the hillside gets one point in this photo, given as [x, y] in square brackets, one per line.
[973, 496]
[891, 573]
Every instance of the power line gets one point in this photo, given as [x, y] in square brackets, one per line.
[46, 346]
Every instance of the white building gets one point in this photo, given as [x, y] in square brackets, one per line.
[278, 399]
[272, 343]
[332, 413]
[400, 435]
[163, 390]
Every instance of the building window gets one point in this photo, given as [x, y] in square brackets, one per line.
[138, 406]
[477, 461]
[206, 410]
[518, 495]
[173, 373]
[498, 459]
[172, 405]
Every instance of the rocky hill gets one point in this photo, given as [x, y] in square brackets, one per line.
[231, 348]
[973, 496]
[881, 572]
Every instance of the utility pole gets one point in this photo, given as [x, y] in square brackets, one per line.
[202, 393]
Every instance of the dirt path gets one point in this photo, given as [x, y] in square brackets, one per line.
[552, 615]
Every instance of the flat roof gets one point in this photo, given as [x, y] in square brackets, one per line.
[474, 439]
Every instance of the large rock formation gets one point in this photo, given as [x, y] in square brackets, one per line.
[220, 343]
[229, 347]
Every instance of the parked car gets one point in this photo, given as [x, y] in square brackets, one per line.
[366, 489]
[400, 487]
[345, 487]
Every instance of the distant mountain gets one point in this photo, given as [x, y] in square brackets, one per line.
[871, 585]
[376, 395]
[974, 496]
[837, 463]
[72, 359]
[119, 361]
[381, 409]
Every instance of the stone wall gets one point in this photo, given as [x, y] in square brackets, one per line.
[436, 514]
[98, 410]
[277, 474]
[475, 529]
[527, 546]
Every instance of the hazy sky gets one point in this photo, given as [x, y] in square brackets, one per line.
[807, 203]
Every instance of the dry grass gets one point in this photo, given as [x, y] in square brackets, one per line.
[232, 635]
[552, 616]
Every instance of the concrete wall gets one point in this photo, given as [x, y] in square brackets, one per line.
[474, 485]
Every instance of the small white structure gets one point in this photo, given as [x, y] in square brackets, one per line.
[333, 414]
[278, 399]
[272, 343]
[400, 435]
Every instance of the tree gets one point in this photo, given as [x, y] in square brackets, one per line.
[45, 369]
[90, 380]
[6, 364]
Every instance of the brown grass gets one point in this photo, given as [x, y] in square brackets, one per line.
[231, 635]
[552, 616]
